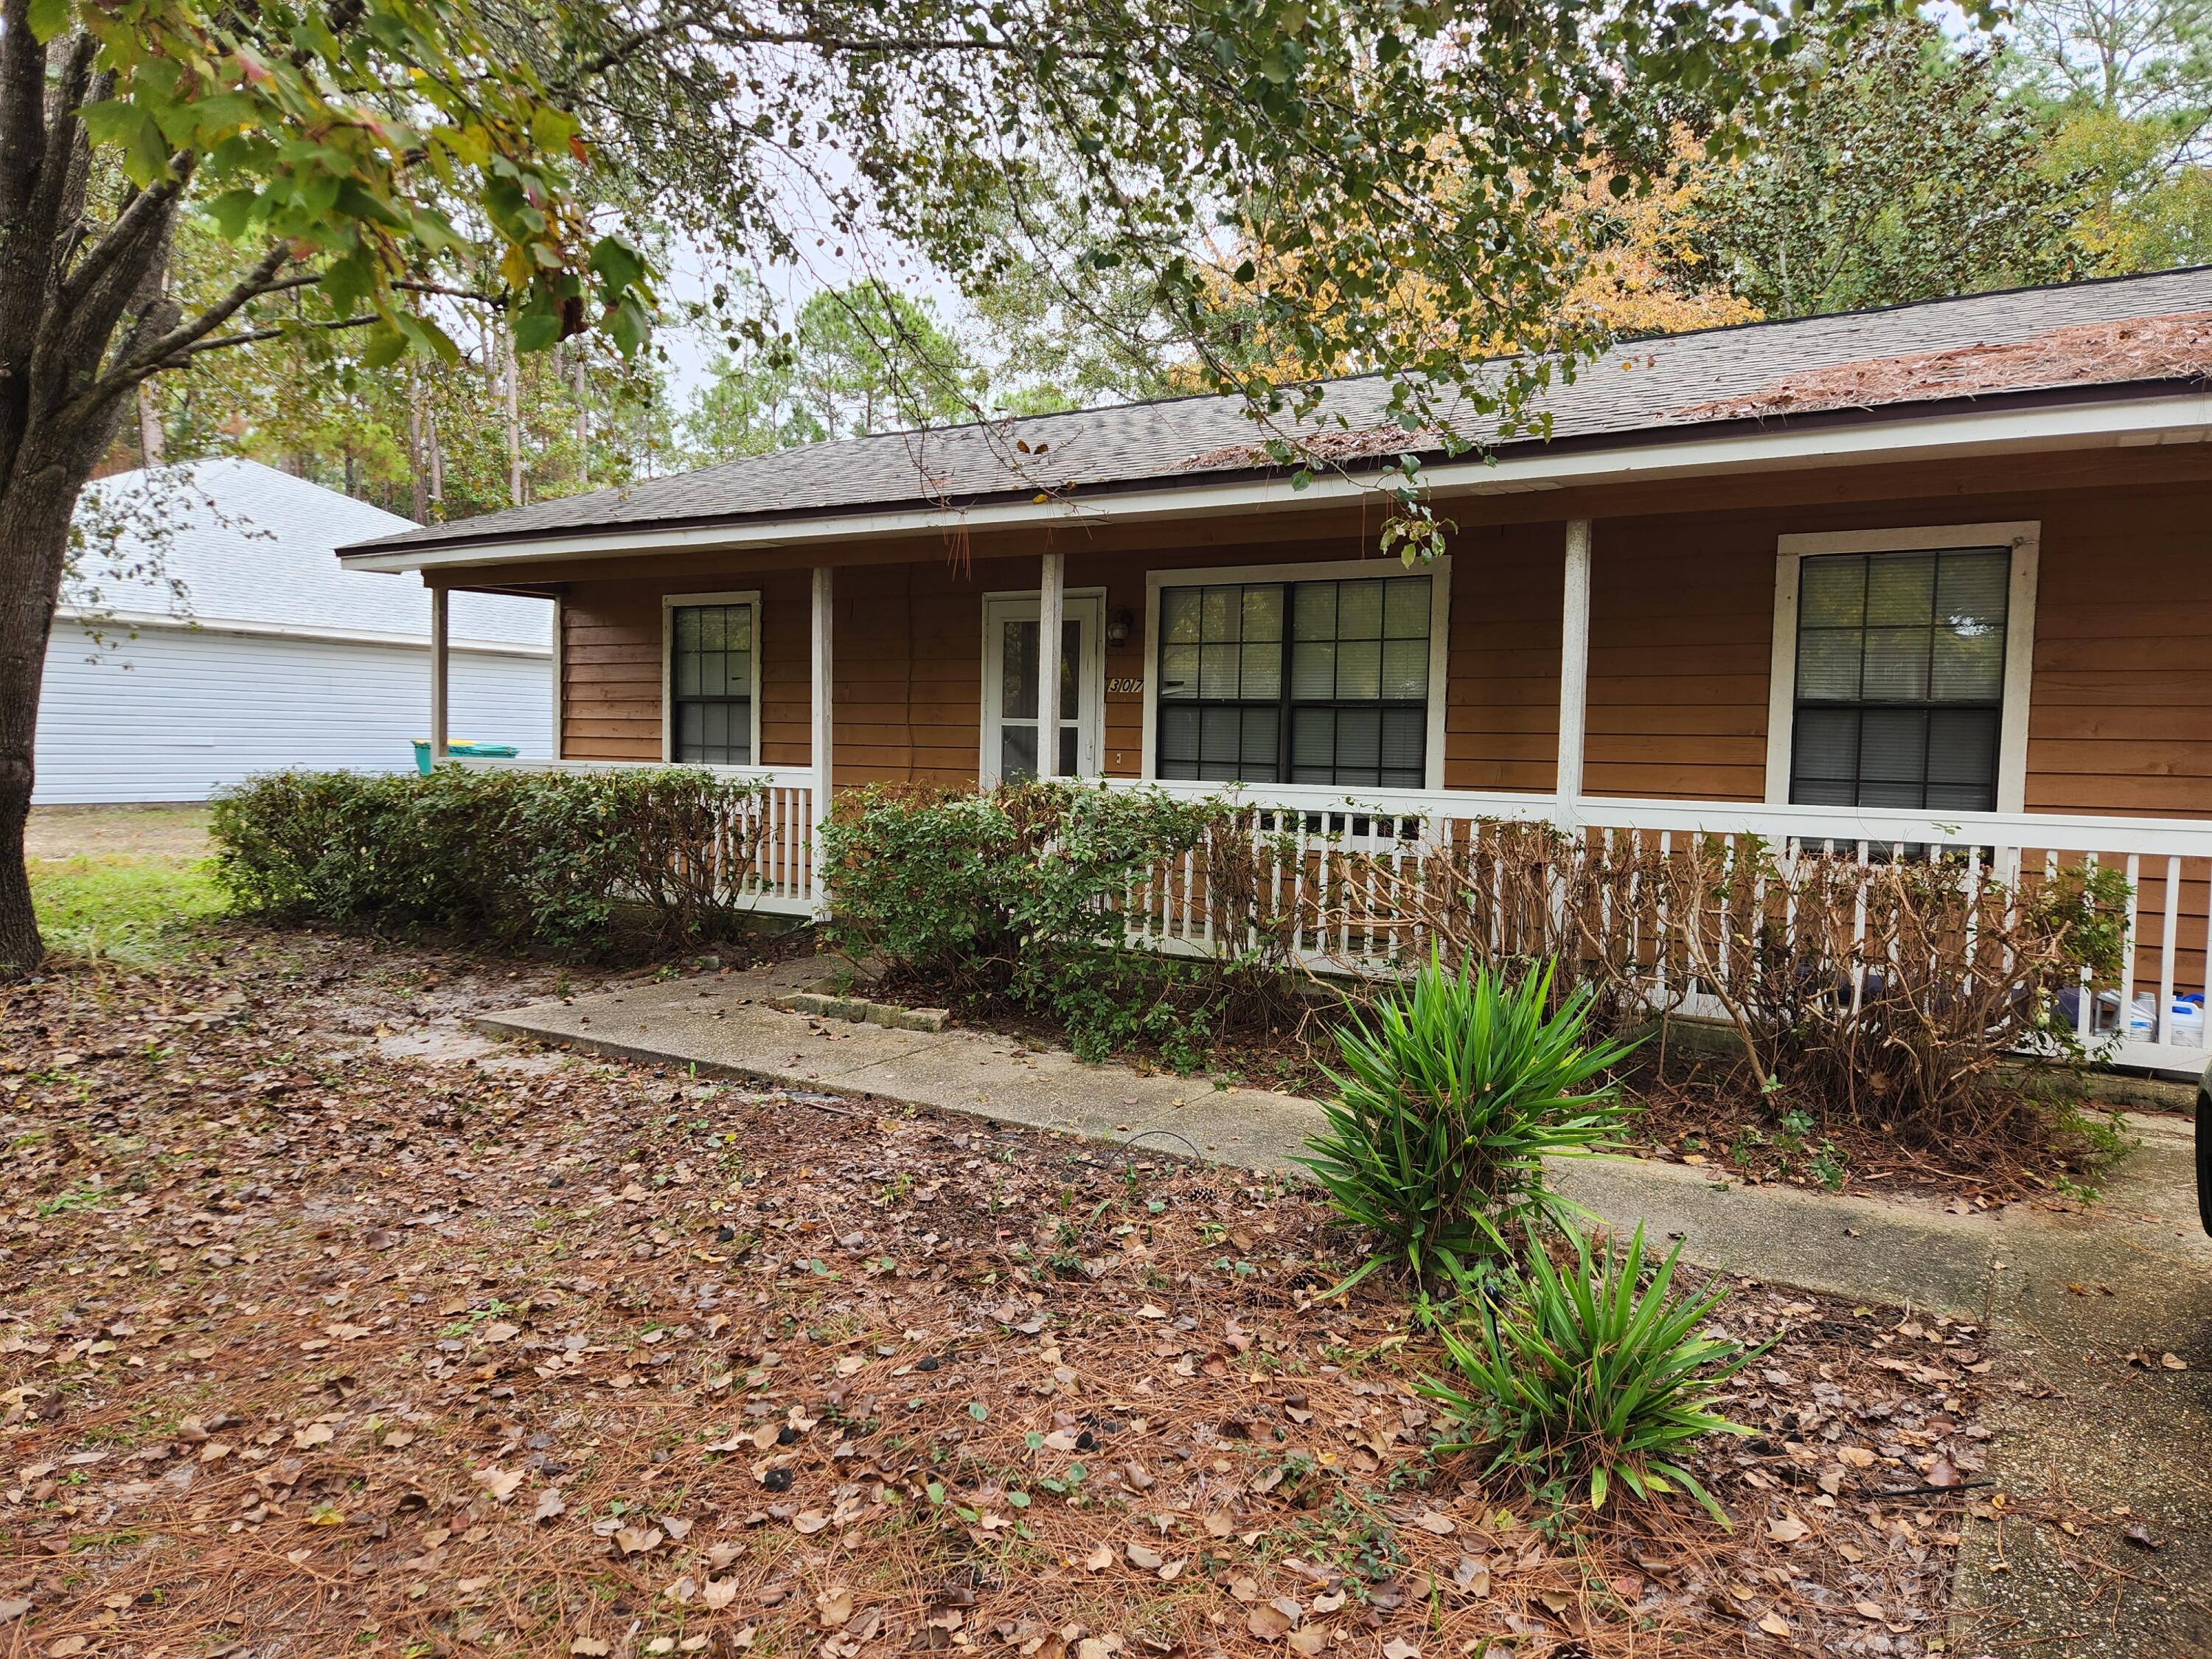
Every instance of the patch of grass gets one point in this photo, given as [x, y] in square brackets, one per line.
[135, 910]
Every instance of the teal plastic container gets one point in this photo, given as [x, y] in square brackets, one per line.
[469, 751]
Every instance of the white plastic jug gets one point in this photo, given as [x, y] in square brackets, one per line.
[2185, 1023]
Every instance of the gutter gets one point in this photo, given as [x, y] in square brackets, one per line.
[138, 622]
[2122, 418]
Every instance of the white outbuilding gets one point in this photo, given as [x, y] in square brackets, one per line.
[208, 633]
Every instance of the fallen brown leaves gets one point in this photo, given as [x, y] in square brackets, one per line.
[309, 1347]
[2175, 348]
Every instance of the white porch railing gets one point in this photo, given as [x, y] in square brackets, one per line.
[776, 836]
[2167, 864]
[2136, 1022]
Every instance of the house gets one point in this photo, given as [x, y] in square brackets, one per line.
[1936, 576]
[208, 633]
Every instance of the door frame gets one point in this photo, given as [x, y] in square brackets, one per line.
[1086, 606]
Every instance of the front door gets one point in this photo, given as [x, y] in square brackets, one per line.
[1010, 686]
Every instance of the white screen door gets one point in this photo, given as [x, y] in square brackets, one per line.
[1010, 686]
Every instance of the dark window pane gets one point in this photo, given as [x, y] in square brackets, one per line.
[1262, 743]
[1313, 669]
[1826, 744]
[1018, 671]
[1359, 610]
[1220, 744]
[710, 683]
[1016, 752]
[1900, 590]
[1969, 665]
[1832, 592]
[1345, 663]
[1900, 679]
[1404, 735]
[1406, 669]
[1360, 669]
[1824, 792]
[1828, 665]
[1179, 608]
[1962, 747]
[1405, 608]
[1970, 589]
[1313, 743]
[1179, 729]
[1360, 738]
[1893, 746]
[1896, 665]
[1263, 613]
[1179, 670]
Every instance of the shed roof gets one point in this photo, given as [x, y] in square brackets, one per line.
[251, 544]
[2056, 341]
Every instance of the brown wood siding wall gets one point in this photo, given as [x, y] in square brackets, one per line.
[1681, 619]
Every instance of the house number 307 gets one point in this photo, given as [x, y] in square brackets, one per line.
[1125, 687]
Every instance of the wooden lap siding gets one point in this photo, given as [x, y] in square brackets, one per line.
[1681, 614]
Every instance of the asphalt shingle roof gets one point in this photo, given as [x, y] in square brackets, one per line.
[1640, 387]
[248, 543]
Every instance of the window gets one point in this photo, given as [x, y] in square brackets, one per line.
[1905, 683]
[1323, 681]
[712, 663]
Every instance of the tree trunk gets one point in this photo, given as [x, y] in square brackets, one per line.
[153, 444]
[36, 506]
[417, 446]
[513, 417]
[583, 423]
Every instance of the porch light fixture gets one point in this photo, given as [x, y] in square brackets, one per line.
[1120, 626]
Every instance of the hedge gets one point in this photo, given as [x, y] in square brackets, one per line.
[545, 860]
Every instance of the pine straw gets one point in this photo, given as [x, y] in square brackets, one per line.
[2175, 348]
[1701, 1110]
[235, 1229]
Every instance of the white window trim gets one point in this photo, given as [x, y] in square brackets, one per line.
[670, 602]
[2023, 536]
[1438, 570]
[1090, 715]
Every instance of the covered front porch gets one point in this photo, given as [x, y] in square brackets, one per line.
[1091, 645]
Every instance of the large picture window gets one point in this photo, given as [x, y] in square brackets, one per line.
[1323, 681]
[711, 665]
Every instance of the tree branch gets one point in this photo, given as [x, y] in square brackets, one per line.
[186, 354]
[128, 225]
[137, 363]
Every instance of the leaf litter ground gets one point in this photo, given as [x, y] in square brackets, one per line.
[316, 1341]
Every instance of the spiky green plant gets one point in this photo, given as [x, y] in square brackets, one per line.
[1452, 1095]
[1590, 1374]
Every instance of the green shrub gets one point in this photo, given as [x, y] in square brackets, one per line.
[1013, 892]
[543, 858]
[1590, 1374]
[1453, 1092]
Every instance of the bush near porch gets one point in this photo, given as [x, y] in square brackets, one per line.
[538, 859]
[1879, 997]
[1884, 995]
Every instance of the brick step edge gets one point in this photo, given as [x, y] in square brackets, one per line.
[859, 1011]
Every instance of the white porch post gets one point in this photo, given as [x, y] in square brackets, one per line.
[824, 729]
[438, 664]
[559, 671]
[1052, 603]
[1574, 668]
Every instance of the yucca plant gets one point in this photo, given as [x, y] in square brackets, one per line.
[1452, 1095]
[1590, 1374]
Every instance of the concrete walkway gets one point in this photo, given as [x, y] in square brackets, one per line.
[2065, 1299]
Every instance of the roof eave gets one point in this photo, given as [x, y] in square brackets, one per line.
[2043, 418]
